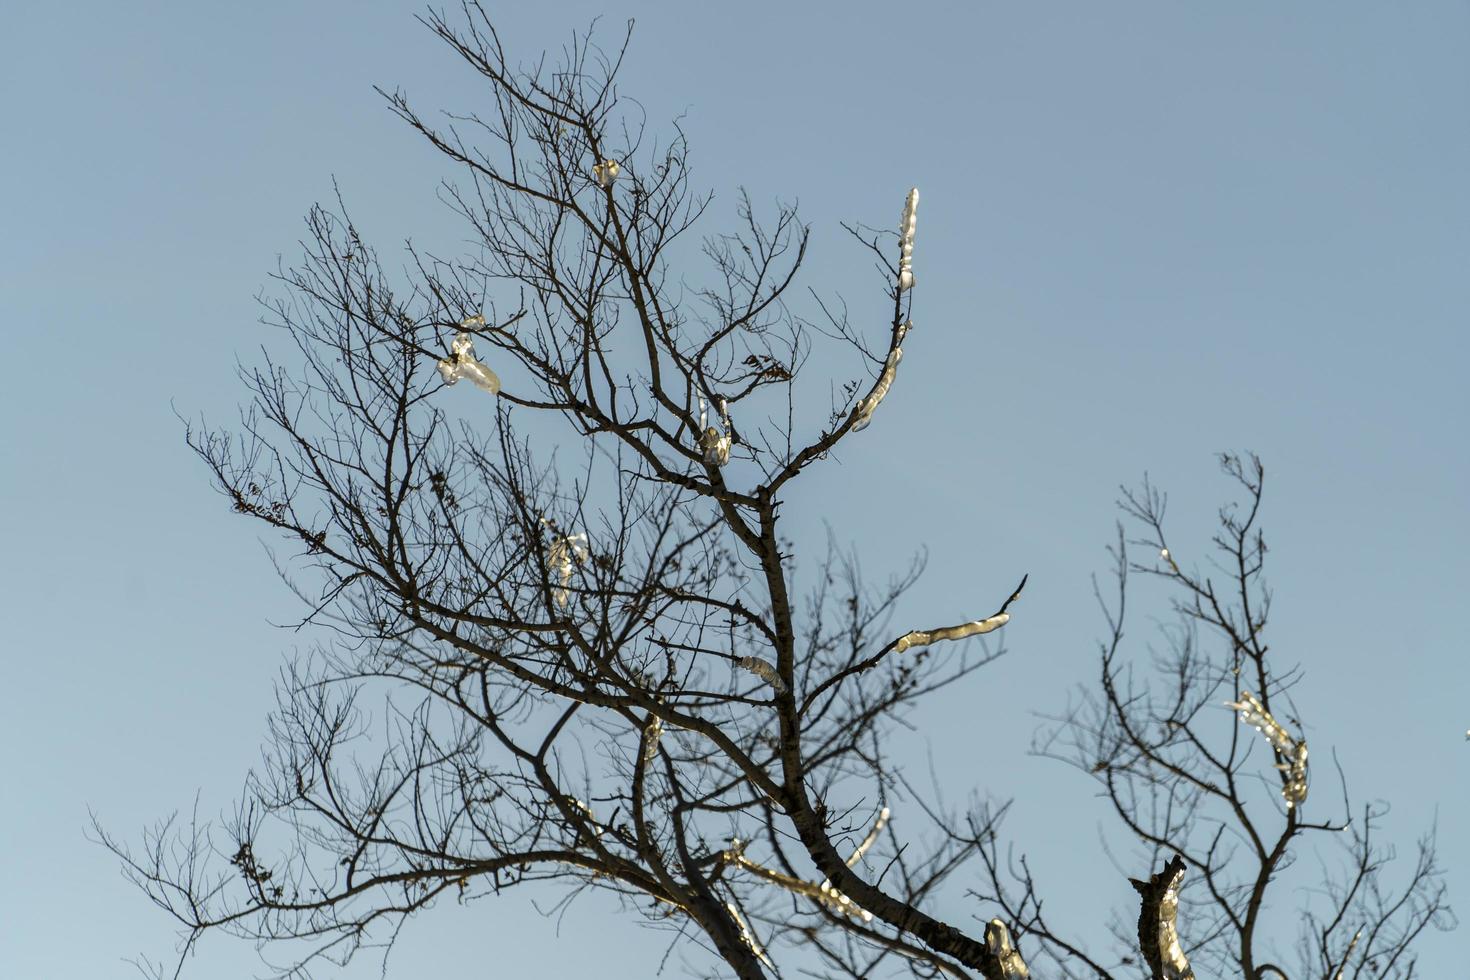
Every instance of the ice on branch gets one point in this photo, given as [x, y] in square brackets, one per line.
[461, 362]
[1348, 955]
[906, 236]
[825, 892]
[1164, 554]
[712, 441]
[605, 173]
[763, 670]
[586, 812]
[862, 414]
[998, 941]
[922, 638]
[877, 828]
[838, 902]
[654, 731]
[748, 937]
[564, 551]
[1253, 713]
[1176, 967]
[834, 897]
[1158, 933]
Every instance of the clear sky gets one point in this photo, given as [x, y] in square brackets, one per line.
[1149, 232]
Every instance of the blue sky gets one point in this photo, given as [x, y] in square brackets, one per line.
[1149, 232]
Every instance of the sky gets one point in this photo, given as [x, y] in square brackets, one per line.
[1149, 232]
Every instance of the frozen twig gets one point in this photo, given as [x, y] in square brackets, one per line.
[920, 638]
[714, 442]
[565, 549]
[586, 811]
[906, 236]
[823, 893]
[877, 828]
[655, 730]
[1348, 955]
[862, 413]
[763, 670]
[748, 937]
[1293, 750]
[1158, 933]
[461, 362]
[605, 173]
[998, 941]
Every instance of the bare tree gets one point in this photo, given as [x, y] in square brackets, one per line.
[1185, 780]
[603, 671]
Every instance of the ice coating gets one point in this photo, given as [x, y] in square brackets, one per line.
[862, 414]
[655, 730]
[1254, 713]
[565, 550]
[906, 228]
[998, 941]
[877, 828]
[605, 173]
[825, 892]
[461, 363]
[1171, 954]
[922, 638]
[763, 670]
[748, 937]
[712, 441]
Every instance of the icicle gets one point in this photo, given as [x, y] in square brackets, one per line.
[922, 638]
[863, 413]
[605, 173]
[763, 670]
[714, 443]
[461, 362]
[1253, 713]
[906, 234]
[998, 941]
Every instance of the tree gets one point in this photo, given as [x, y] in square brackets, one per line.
[1183, 785]
[605, 674]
